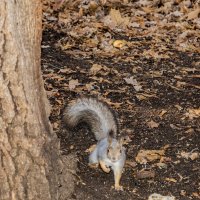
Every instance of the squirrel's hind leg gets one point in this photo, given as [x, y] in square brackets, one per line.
[93, 159]
[117, 177]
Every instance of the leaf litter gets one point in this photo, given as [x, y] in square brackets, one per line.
[143, 59]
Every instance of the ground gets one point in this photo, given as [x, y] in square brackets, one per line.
[154, 89]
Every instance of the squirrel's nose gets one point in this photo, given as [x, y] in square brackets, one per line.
[114, 159]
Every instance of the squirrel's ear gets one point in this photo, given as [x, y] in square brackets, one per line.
[110, 136]
[121, 140]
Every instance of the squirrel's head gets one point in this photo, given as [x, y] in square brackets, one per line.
[115, 148]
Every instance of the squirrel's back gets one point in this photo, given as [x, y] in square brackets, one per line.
[93, 112]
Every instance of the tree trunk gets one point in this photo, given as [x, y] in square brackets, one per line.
[28, 147]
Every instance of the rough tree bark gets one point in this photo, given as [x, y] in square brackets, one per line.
[28, 148]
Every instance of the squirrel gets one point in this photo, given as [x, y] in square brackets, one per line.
[109, 151]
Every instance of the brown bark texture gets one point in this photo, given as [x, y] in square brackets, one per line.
[28, 147]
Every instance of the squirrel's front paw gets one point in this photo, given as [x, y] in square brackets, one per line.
[118, 188]
[106, 169]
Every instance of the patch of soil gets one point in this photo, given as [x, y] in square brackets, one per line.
[170, 84]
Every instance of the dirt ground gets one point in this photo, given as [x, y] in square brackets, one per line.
[156, 100]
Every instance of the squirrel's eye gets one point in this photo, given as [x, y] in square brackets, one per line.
[120, 151]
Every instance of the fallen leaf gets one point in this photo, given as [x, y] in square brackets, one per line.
[66, 70]
[165, 159]
[55, 125]
[95, 69]
[193, 113]
[147, 9]
[194, 14]
[171, 180]
[175, 127]
[194, 156]
[71, 147]
[178, 107]
[190, 131]
[90, 86]
[151, 53]
[187, 155]
[73, 83]
[58, 4]
[119, 43]
[143, 96]
[93, 6]
[131, 163]
[162, 113]
[145, 156]
[161, 165]
[117, 19]
[152, 124]
[196, 194]
[117, 105]
[156, 74]
[156, 196]
[127, 138]
[134, 25]
[91, 43]
[142, 174]
[134, 83]
[183, 193]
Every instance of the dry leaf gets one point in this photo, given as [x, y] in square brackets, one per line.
[179, 107]
[73, 83]
[193, 113]
[133, 82]
[156, 73]
[194, 14]
[151, 53]
[58, 4]
[189, 131]
[152, 124]
[141, 97]
[156, 196]
[66, 70]
[162, 113]
[95, 68]
[93, 6]
[196, 194]
[131, 163]
[187, 155]
[142, 174]
[175, 127]
[119, 43]
[117, 105]
[117, 19]
[127, 139]
[194, 156]
[149, 155]
[161, 165]
[147, 9]
[91, 43]
[171, 180]
[90, 86]
[55, 125]
[71, 147]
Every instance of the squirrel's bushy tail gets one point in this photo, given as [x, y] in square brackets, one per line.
[93, 112]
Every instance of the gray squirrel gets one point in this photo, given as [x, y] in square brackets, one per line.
[109, 151]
